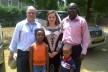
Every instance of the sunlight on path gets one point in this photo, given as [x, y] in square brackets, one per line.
[105, 29]
[6, 53]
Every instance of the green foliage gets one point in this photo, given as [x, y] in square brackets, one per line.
[100, 6]
[62, 7]
[40, 4]
[46, 4]
[27, 1]
[3, 11]
[23, 11]
[14, 14]
[82, 4]
[10, 14]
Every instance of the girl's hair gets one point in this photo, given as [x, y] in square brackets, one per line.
[50, 12]
[39, 29]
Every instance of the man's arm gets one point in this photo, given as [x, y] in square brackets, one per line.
[10, 56]
[85, 39]
[14, 41]
[15, 38]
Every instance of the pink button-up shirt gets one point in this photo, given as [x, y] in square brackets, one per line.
[76, 32]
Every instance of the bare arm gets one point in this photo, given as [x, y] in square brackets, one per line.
[31, 58]
[47, 58]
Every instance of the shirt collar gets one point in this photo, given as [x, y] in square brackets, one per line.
[26, 21]
[76, 19]
[67, 59]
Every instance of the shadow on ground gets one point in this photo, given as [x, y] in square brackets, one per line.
[96, 59]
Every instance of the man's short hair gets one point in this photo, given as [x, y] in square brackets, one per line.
[30, 7]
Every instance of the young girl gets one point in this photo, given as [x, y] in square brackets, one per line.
[67, 63]
[39, 53]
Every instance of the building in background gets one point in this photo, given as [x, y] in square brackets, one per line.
[12, 3]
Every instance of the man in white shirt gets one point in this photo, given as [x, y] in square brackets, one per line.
[22, 38]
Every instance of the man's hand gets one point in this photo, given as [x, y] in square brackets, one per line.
[10, 56]
[82, 56]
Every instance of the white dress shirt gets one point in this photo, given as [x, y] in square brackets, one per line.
[23, 35]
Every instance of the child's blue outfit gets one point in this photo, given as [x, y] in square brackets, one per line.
[67, 64]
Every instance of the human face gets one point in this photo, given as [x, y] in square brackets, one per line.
[72, 11]
[40, 36]
[66, 53]
[31, 14]
[51, 18]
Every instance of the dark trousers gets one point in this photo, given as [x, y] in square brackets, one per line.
[23, 61]
[76, 51]
[55, 62]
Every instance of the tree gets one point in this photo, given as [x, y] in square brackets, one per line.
[100, 6]
[91, 6]
[43, 4]
[89, 10]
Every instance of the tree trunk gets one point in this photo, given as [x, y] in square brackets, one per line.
[89, 10]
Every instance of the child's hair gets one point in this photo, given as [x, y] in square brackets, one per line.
[67, 47]
[39, 29]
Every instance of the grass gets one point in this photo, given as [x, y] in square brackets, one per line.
[7, 35]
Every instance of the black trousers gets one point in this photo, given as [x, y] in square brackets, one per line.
[76, 51]
[55, 62]
[23, 61]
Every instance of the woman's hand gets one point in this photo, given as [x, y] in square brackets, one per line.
[50, 55]
[54, 54]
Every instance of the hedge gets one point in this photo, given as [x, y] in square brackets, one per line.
[11, 15]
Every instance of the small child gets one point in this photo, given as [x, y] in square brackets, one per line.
[39, 53]
[67, 63]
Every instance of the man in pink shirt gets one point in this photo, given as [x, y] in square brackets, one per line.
[75, 32]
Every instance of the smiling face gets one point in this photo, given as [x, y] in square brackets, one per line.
[51, 18]
[67, 50]
[72, 11]
[40, 36]
[31, 14]
[66, 53]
